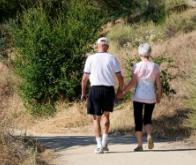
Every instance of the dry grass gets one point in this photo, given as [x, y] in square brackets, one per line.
[125, 37]
[14, 150]
[70, 118]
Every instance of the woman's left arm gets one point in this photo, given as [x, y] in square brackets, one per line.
[159, 88]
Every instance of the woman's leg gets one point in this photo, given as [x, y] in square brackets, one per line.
[148, 110]
[138, 122]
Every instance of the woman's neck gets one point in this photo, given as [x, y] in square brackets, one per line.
[144, 59]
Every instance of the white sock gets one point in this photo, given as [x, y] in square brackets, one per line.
[98, 139]
[104, 140]
[149, 136]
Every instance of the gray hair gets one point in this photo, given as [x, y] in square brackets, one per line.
[144, 49]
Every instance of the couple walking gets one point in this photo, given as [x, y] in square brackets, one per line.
[102, 68]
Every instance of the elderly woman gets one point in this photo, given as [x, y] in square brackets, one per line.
[148, 91]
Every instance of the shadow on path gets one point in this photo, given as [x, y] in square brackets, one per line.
[161, 150]
[58, 143]
[65, 142]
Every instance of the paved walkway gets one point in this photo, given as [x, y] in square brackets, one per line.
[78, 150]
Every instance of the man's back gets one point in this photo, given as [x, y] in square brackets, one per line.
[102, 68]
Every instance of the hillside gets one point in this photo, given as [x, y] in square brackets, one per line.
[173, 111]
[38, 93]
[173, 118]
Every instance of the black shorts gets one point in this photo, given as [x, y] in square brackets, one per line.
[101, 99]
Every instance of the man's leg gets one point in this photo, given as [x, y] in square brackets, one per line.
[97, 129]
[105, 128]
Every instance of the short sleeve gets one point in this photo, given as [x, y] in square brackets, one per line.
[116, 66]
[133, 68]
[157, 69]
[87, 67]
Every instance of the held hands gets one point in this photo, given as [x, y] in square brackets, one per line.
[120, 94]
[158, 99]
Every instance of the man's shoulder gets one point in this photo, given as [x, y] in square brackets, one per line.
[111, 55]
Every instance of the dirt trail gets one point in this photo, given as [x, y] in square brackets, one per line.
[78, 150]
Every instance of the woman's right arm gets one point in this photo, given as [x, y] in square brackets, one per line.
[159, 88]
[127, 88]
[130, 84]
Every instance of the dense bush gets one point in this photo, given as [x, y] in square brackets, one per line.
[134, 10]
[51, 52]
[2, 44]
[10, 8]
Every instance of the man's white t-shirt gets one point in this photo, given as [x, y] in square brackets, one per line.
[102, 68]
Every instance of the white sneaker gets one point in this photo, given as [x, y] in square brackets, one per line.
[98, 150]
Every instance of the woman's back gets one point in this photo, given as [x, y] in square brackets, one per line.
[145, 73]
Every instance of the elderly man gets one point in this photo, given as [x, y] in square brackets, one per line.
[101, 68]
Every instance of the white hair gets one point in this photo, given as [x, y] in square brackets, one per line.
[144, 50]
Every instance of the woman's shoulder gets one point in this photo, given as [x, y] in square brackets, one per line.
[138, 63]
[156, 66]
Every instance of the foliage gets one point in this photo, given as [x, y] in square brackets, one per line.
[2, 44]
[180, 22]
[135, 34]
[172, 4]
[153, 10]
[150, 32]
[51, 53]
[10, 9]
[166, 77]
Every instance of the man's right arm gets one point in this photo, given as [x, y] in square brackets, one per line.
[84, 81]
[85, 77]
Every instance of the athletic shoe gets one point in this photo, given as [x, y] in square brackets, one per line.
[106, 149]
[98, 150]
[138, 149]
[150, 142]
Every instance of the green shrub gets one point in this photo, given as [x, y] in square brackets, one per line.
[155, 11]
[5, 41]
[151, 32]
[134, 10]
[180, 22]
[135, 33]
[172, 4]
[51, 53]
[2, 44]
[10, 8]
